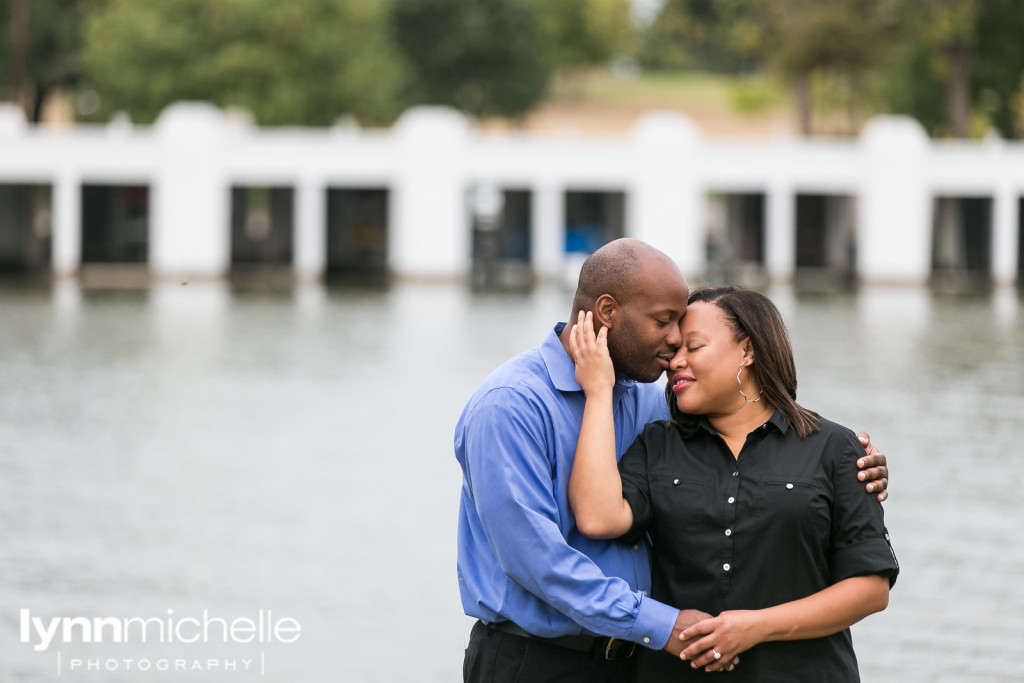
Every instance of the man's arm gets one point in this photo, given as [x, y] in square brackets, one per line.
[510, 474]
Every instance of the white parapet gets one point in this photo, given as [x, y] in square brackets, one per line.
[433, 158]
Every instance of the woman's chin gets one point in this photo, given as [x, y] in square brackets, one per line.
[689, 408]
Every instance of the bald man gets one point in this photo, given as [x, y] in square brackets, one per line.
[541, 591]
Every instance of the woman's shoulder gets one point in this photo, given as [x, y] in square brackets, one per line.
[835, 437]
[659, 429]
[831, 429]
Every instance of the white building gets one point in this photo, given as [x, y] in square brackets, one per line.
[201, 194]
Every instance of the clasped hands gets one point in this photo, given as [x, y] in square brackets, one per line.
[698, 637]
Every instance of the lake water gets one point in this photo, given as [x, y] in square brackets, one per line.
[208, 459]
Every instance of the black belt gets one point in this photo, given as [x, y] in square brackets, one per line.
[611, 649]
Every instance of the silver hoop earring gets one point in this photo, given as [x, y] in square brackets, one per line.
[740, 382]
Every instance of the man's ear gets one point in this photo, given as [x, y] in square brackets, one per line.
[606, 311]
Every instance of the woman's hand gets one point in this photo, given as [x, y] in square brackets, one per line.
[595, 488]
[594, 369]
[728, 634]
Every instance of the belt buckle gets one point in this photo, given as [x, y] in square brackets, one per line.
[611, 656]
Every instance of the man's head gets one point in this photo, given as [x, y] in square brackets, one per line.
[638, 293]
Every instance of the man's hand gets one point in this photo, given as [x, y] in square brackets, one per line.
[873, 469]
[687, 618]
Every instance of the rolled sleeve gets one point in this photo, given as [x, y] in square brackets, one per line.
[636, 489]
[861, 542]
[872, 556]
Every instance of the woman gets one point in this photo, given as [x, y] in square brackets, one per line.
[751, 500]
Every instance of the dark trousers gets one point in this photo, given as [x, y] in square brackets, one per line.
[497, 657]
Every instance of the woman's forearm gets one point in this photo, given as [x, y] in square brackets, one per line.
[595, 488]
[828, 611]
[816, 616]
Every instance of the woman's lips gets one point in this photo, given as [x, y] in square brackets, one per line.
[680, 382]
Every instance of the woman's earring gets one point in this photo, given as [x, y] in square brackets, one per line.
[740, 382]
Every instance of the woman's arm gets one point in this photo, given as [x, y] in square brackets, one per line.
[595, 489]
[826, 612]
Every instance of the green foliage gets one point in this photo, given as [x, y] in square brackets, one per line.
[53, 48]
[293, 62]
[753, 96]
[583, 33]
[999, 66]
[918, 79]
[485, 57]
[693, 34]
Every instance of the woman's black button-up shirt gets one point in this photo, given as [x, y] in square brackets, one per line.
[785, 519]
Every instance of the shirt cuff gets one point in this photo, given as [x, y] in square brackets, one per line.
[873, 556]
[654, 623]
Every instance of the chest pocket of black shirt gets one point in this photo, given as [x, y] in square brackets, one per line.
[679, 503]
[793, 503]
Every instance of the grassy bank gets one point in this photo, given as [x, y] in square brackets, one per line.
[601, 101]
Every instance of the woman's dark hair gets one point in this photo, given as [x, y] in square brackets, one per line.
[751, 315]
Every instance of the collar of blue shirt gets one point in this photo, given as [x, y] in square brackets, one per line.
[561, 369]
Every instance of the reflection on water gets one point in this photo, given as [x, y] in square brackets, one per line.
[190, 448]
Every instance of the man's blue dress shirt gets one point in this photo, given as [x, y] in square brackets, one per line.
[521, 557]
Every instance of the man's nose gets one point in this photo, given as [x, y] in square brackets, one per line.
[675, 337]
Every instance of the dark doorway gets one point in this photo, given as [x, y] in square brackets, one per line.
[592, 219]
[501, 220]
[736, 238]
[1020, 243]
[115, 224]
[825, 241]
[962, 242]
[357, 234]
[26, 227]
[262, 226]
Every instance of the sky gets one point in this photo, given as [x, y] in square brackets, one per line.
[646, 9]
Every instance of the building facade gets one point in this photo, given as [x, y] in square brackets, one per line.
[204, 194]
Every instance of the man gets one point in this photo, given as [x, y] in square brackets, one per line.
[539, 588]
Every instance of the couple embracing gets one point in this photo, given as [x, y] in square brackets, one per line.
[613, 531]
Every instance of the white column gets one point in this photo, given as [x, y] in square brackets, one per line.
[1005, 235]
[894, 239]
[191, 231]
[67, 223]
[310, 229]
[430, 229]
[665, 201]
[780, 230]
[547, 239]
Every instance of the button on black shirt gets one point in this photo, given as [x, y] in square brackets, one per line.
[786, 519]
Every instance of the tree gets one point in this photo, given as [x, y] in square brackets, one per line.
[41, 41]
[804, 39]
[583, 33]
[999, 66]
[961, 70]
[485, 57]
[692, 34]
[287, 62]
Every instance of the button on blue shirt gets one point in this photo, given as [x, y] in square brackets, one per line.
[521, 557]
